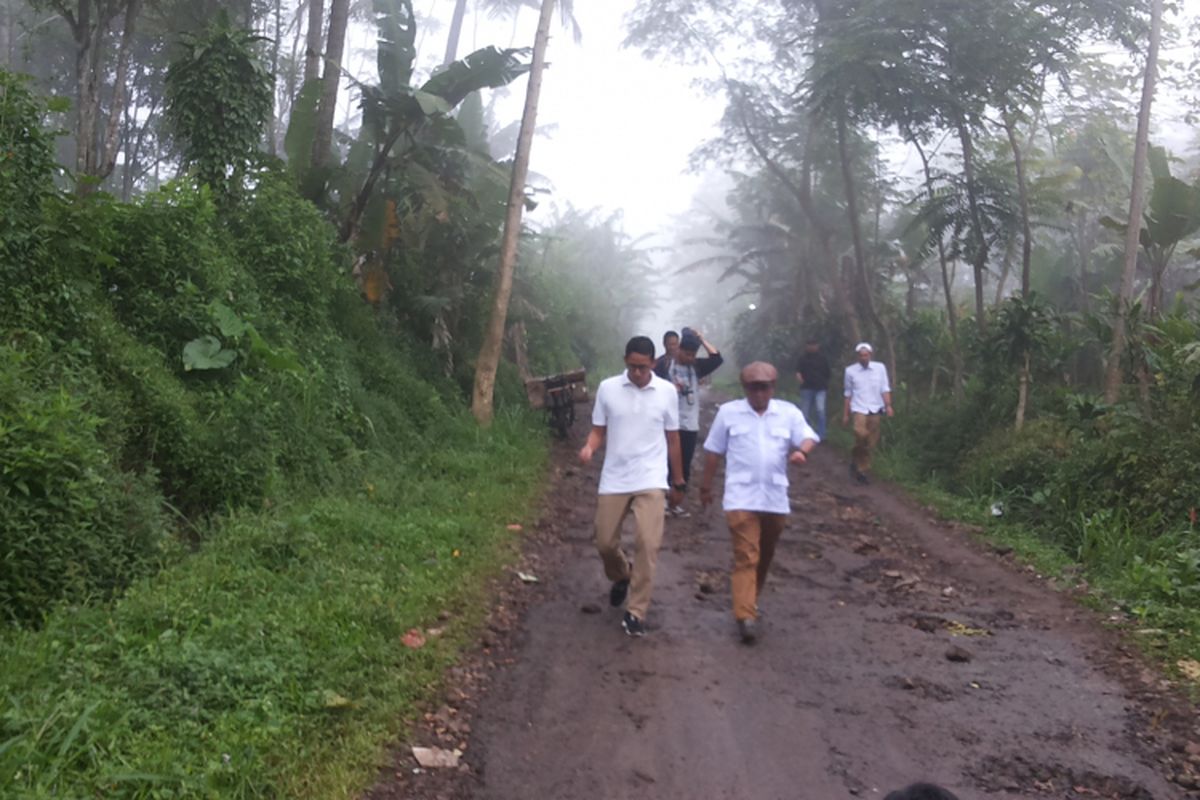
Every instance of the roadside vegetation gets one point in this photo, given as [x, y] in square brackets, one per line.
[246, 515]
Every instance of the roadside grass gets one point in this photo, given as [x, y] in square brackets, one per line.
[270, 663]
[1151, 582]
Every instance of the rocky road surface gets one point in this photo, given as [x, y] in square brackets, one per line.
[894, 648]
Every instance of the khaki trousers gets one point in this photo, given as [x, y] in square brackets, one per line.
[648, 508]
[866, 438]
[755, 534]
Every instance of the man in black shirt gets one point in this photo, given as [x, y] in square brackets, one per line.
[812, 373]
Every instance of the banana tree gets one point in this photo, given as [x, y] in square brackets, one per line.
[394, 111]
[1023, 329]
[1172, 217]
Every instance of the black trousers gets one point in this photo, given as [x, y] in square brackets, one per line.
[687, 446]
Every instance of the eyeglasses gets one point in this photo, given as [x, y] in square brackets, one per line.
[758, 386]
[639, 367]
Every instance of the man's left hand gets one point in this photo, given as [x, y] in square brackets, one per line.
[890, 412]
[797, 457]
[674, 497]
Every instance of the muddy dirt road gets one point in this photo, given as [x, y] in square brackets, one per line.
[893, 649]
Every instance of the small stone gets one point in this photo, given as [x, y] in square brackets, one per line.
[590, 608]
[949, 591]
[958, 655]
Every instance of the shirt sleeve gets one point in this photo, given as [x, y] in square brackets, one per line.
[671, 417]
[599, 409]
[847, 383]
[885, 386]
[801, 430]
[718, 434]
[707, 366]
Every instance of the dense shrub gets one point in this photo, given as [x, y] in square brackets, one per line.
[73, 525]
[120, 431]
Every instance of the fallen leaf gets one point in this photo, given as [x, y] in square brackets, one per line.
[527, 577]
[414, 639]
[1190, 669]
[335, 701]
[514, 527]
[435, 632]
[436, 757]
[456, 553]
[959, 629]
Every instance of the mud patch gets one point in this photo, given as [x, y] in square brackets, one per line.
[1018, 773]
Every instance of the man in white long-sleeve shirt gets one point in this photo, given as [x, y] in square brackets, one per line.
[868, 398]
[758, 437]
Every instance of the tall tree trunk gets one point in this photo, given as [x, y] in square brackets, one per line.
[276, 44]
[107, 160]
[1023, 390]
[1112, 372]
[335, 45]
[979, 263]
[493, 340]
[85, 89]
[6, 33]
[947, 284]
[313, 39]
[1010, 250]
[860, 258]
[1023, 198]
[456, 25]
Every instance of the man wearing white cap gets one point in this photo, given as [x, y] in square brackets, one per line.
[868, 397]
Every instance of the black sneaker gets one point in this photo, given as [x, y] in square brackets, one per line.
[748, 630]
[616, 595]
[632, 625]
[862, 478]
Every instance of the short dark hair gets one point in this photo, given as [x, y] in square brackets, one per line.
[640, 344]
[668, 335]
[922, 791]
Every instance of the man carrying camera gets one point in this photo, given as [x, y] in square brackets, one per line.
[686, 371]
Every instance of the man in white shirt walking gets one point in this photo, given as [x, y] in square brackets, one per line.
[636, 417]
[868, 397]
[758, 437]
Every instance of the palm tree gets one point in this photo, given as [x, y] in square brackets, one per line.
[493, 340]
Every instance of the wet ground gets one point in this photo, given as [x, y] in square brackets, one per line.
[894, 648]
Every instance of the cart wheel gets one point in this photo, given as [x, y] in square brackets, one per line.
[560, 420]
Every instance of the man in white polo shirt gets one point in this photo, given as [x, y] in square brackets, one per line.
[758, 438]
[868, 397]
[636, 417]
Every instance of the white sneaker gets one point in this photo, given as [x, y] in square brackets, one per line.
[678, 512]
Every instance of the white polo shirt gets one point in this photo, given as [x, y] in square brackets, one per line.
[635, 449]
[756, 448]
[865, 387]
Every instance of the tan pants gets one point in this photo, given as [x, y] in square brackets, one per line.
[648, 508]
[866, 438]
[755, 534]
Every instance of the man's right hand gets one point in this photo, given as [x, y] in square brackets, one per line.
[706, 496]
[585, 454]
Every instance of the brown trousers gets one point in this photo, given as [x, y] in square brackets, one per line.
[866, 438]
[648, 508]
[755, 534]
